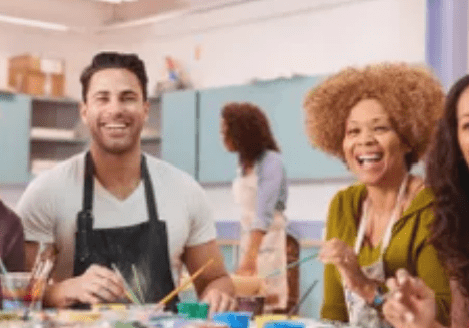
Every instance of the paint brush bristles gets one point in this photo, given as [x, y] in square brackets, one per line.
[184, 284]
[137, 281]
[128, 291]
[277, 272]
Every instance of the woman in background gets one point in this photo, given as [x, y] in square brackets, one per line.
[412, 303]
[261, 190]
[378, 120]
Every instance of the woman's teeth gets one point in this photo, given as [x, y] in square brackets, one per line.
[369, 158]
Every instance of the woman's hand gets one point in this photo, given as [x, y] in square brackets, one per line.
[247, 267]
[411, 303]
[336, 252]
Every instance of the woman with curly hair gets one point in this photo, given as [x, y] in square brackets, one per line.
[448, 175]
[379, 121]
[261, 190]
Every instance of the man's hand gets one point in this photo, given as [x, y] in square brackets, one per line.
[97, 285]
[214, 285]
[219, 301]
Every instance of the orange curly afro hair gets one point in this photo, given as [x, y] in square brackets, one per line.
[411, 95]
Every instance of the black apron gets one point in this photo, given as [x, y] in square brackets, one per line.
[144, 245]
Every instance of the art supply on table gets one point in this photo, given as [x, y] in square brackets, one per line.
[128, 291]
[193, 310]
[303, 298]
[233, 319]
[168, 297]
[254, 304]
[291, 265]
[284, 324]
[260, 320]
[6, 283]
[43, 265]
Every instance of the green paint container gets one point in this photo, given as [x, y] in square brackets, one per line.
[193, 310]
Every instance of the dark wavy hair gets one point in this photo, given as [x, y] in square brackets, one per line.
[249, 132]
[105, 60]
[448, 176]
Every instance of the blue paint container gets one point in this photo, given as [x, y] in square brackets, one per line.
[233, 319]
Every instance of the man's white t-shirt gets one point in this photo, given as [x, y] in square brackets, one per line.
[49, 206]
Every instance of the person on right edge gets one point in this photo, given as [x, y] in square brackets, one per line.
[379, 121]
[412, 302]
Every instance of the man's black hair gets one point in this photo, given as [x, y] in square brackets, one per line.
[105, 60]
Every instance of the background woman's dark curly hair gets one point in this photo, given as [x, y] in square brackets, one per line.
[249, 132]
[448, 176]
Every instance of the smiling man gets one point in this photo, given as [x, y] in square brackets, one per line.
[117, 214]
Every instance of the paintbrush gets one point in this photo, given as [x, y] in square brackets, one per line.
[168, 297]
[137, 281]
[128, 291]
[42, 269]
[8, 281]
[294, 309]
[276, 272]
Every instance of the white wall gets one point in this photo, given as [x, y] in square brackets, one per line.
[76, 49]
[265, 39]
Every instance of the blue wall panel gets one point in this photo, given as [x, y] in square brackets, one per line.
[179, 130]
[282, 101]
[14, 138]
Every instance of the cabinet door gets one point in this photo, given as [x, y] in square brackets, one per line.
[282, 101]
[14, 138]
[179, 130]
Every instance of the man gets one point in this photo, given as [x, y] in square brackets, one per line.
[117, 215]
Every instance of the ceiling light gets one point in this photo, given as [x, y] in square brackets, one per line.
[116, 1]
[33, 23]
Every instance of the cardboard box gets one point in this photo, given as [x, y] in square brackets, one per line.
[25, 63]
[54, 85]
[29, 82]
[37, 76]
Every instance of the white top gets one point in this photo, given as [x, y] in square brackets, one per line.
[50, 203]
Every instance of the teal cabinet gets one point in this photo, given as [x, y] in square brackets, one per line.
[14, 138]
[282, 101]
[179, 135]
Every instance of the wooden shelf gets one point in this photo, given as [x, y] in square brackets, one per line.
[38, 134]
[64, 100]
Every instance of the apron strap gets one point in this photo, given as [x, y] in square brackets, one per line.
[149, 194]
[89, 183]
[394, 216]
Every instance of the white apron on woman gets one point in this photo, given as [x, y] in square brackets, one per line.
[272, 252]
[360, 313]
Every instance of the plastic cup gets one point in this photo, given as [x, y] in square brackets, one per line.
[233, 319]
[254, 304]
[17, 294]
[193, 310]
